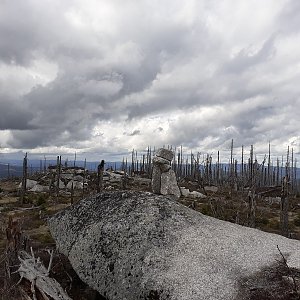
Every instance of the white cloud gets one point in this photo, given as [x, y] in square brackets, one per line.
[137, 73]
[19, 80]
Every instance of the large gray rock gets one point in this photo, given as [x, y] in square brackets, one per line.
[133, 245]
[169, 184]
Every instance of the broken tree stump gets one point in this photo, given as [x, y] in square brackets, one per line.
[33, 270]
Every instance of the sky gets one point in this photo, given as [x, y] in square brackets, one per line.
[102, 77]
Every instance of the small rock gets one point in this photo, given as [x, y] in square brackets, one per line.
[211, 188]
[196, 194]
[160, 161]
[39, 188]
[76, 185]
[29, 184]
[185, 192]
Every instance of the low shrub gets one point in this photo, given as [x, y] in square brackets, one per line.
[205, 209]
[262, 221]
[44, 238]
[41, 199]
[297, 221]
[274, 224]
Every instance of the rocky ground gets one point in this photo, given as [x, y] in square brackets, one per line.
[40, 205]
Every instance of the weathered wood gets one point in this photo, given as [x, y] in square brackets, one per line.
[33, 270]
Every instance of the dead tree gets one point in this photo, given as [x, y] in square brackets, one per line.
[284, 208]
[242, 169]
[100, 176]
[24, 179]
[84, 178]
[132, 163]
[58, 172]
[13, 235]
[284, 217]
[254, 178]
[231, 174]
[15, 241]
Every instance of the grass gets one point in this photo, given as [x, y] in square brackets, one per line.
[44, 238]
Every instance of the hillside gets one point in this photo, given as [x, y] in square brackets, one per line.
[219, 203]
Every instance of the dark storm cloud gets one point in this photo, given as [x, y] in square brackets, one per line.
[14, 115]
[25, 27]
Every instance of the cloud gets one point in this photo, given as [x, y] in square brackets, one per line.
[196, 73]
[14, 115]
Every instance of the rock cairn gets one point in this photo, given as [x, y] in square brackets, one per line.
[163, 177]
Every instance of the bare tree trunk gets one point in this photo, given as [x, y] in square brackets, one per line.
[252, 209]
[218, 169]
[295, 177]
[231, 168]
[242, 170]
[83, 180]
[284, 217]
[181, 167]
[143, 165]
[292, 173]
[269, 166]
[277, 172]
[58, 171]
[100, 176]
[132, 162]
[24, 179]
[251, 194]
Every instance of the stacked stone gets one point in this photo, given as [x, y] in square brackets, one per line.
[163, 177]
